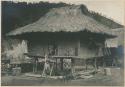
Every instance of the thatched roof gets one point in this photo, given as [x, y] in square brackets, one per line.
[66, 19]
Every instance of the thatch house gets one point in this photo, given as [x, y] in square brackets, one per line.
[65, 33]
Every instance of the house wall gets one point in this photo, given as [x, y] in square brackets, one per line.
[68, 48]
[37, 48]
[64, 48]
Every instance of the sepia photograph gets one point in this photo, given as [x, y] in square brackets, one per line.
[62, 42]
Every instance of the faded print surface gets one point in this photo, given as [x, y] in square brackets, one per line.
[60, 44]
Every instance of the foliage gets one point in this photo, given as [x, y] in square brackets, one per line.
[19, 14]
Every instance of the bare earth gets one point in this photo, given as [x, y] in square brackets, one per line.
[97, 80]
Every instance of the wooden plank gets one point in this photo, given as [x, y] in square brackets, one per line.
[36, 56]
[32, 75]
[64, 56]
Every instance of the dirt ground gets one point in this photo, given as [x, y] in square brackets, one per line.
[97, 80]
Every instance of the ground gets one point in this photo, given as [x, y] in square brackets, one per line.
[97, 80]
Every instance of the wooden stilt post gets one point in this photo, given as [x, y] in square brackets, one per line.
[72, 66]
[61, 63]
[85, 64]
[56, 63]
[36, 65]
[33, 65]
[104, 64]
[95, 63]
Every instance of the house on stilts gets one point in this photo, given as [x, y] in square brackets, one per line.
[66, 36]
